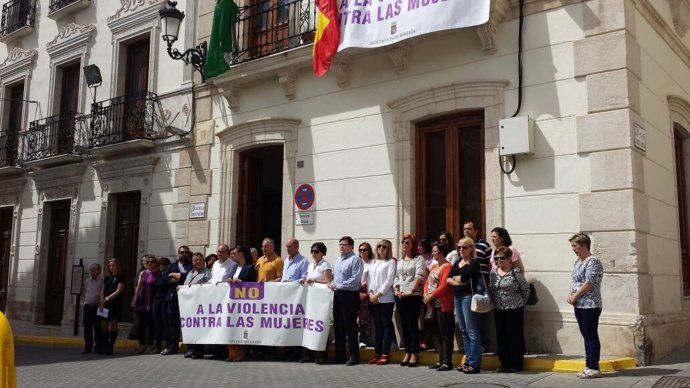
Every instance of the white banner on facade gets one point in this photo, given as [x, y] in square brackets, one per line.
[275, 314]
[376, 23]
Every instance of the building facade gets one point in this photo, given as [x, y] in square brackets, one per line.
[86, 160]
[402, 138]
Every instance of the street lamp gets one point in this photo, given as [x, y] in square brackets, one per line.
[171, 18]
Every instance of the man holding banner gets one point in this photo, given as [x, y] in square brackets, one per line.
[347, 279]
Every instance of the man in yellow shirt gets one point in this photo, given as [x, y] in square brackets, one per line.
[269, 267]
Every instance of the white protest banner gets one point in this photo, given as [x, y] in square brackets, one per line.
[376, 23]
[275, 314]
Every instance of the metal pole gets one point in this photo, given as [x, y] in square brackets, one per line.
[76, 311]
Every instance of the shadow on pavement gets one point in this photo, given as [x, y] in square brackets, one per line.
[643, 372]
[30, 355]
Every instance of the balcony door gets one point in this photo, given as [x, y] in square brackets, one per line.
[69, 106]
[450, 174]
[271, 25]
[9, 139]
[136, 88]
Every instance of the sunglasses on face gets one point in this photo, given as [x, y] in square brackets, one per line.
[363, 250]
[500, 258]
[463, 247]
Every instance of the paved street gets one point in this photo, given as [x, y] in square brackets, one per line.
[49, 366]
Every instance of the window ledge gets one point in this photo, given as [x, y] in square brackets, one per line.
[69, 9]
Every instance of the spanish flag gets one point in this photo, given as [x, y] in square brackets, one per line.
[327, 36]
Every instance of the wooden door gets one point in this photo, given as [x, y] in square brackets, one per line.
[57, 261]
[450, 173]
[136, 86]
[5, 246]
[681, 186]
[125, 244]
[260, 206]
[69, 105]
[271, 27]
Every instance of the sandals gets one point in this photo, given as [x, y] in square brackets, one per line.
[471, 369]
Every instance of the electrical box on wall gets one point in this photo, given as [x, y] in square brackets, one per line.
[516, 136]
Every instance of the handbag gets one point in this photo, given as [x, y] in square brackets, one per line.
[480, 303]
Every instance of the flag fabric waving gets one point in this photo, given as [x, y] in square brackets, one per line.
[224, 19]
[327, 35]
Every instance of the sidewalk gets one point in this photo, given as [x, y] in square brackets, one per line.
[533, 363]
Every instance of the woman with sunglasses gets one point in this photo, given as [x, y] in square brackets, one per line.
[464, 277]
[365, 255]
[509, 293]
[143, 304]
[379, 279]
[318, 272]
[245, 272]
[501, 238]
[409, 282]
[438, 295]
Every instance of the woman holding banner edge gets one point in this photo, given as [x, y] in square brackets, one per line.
[245, 272]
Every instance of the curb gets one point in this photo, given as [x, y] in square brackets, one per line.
[534, 363]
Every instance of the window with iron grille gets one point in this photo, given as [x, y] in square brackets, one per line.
[17, 14]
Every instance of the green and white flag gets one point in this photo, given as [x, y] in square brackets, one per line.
[224, 19]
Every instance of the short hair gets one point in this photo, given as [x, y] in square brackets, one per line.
[246, 253]
[443, 248]
[347, 239]
[581, 239]
[198, 254]
[163, 260]
[426, 245]
[474, 225]
[503, 234]
[507, 252]
[270, 240]
[210, 257]
[98, 266]
[320, 246]
[470, 243]
[296, 241]
[411, 237]
[449, 236]
[186, 248]
[225, 246]
[389, 250]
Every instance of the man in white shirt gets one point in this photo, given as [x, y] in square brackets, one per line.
[92, 323]
[223, 268]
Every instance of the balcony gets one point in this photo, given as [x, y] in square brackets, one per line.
[18, 18]
[123, 124]
[54, 140]
[60, 9]
[273, 26]
[9, 143]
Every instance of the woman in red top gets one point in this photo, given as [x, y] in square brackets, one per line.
[438, 294]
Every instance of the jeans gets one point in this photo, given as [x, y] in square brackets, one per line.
[345, 308]
[171, 315]
[471, 338]
[409, 308]
[162, 330]
[383, 324]
[588, 320]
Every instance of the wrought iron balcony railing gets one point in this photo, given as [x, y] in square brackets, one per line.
[56, 5]
[9, 142]
[17, 14]
[123, 118]
[271, 26]
[61, 134]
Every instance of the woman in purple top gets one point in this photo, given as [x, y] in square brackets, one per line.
[143, 305]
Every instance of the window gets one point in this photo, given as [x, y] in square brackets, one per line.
[450, 185]
[14, 111]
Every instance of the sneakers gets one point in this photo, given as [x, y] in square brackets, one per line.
[589, 374]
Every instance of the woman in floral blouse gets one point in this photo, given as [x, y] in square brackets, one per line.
[585, 296]
[509, 292]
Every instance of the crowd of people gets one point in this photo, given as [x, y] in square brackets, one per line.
[431, 286]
